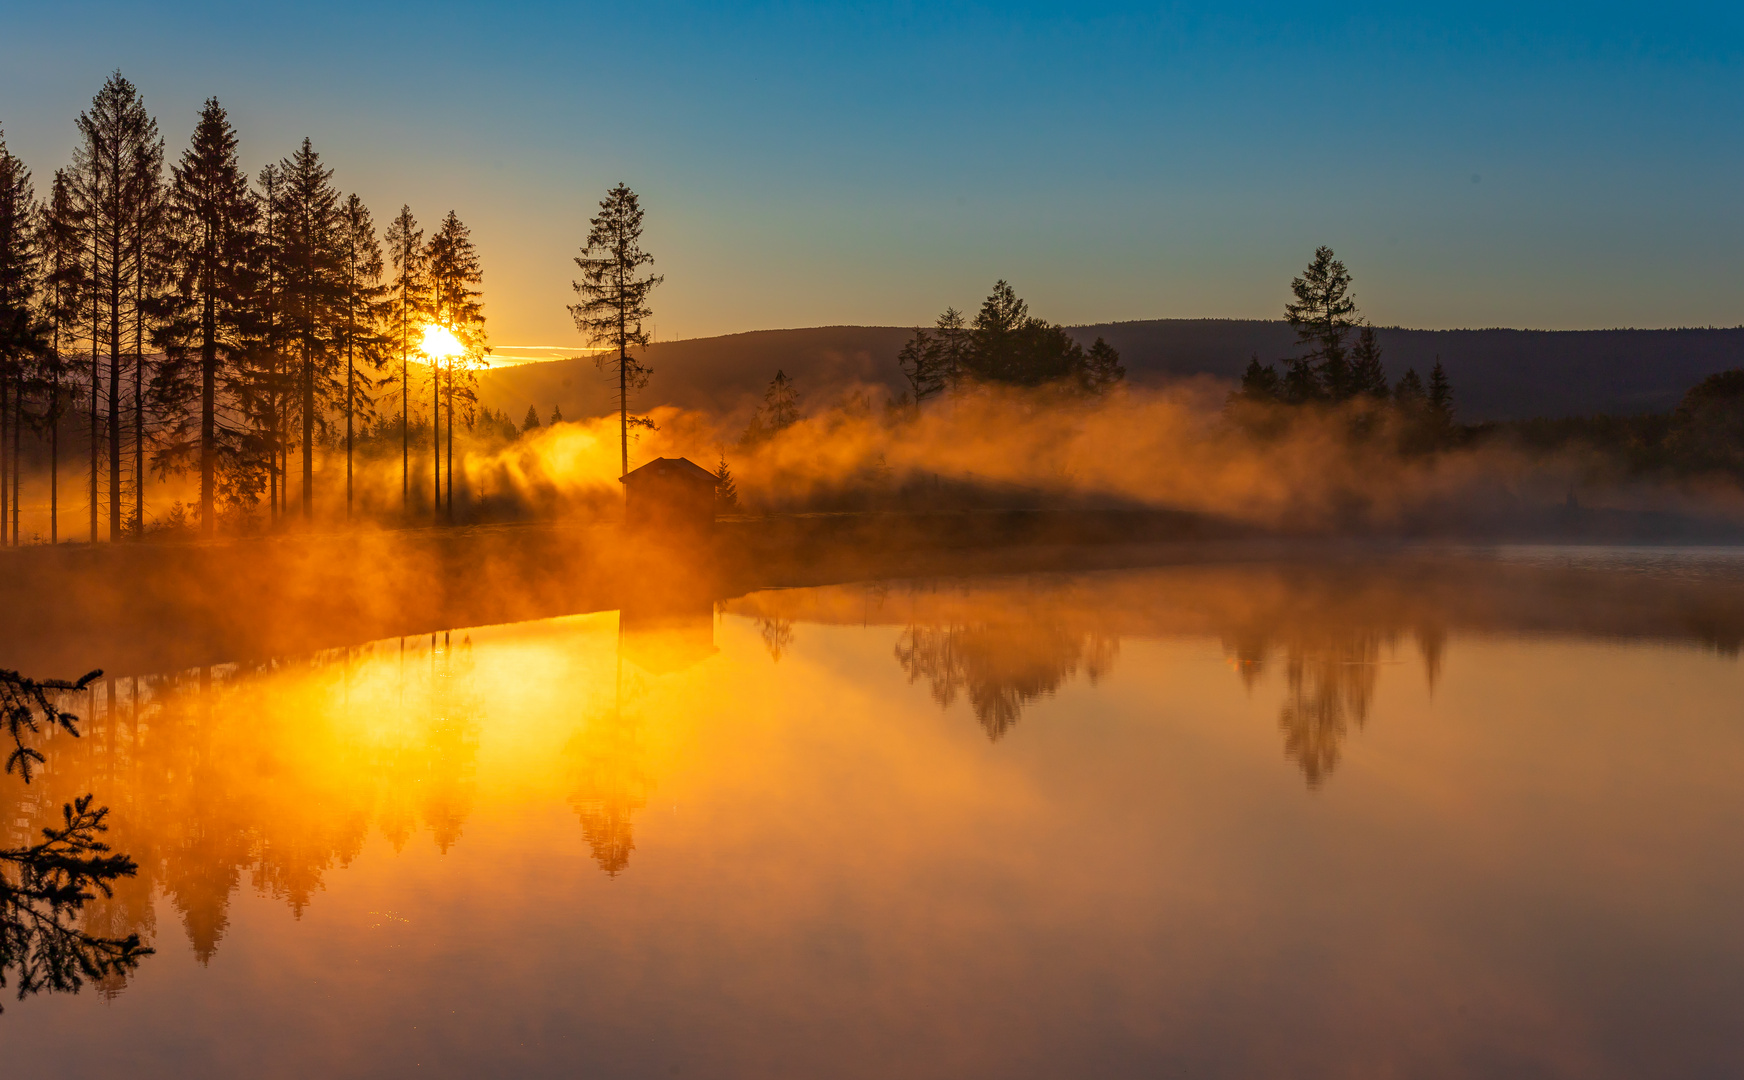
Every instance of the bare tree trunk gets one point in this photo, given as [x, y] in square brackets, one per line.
[139, 405]
[5, 470]
[208, 414]
[54, 449]
[451, 440]
[436, 436]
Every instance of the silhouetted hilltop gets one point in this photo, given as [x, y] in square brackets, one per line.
[1497, 374]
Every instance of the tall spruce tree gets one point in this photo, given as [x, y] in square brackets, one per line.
[614, 298]
[1367, 377]
[270, 399]
[118, 164]
[951, 331]
[453, 268]
[994, 347]
[1259, 382]
[64, 274]
[21, 328]
[407, 315]
[211, 221]
[1102, 370]
[363, 310]
[1440, 397]
[1323, 313]
[310, 304]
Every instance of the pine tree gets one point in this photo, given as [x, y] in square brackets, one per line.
[363, 303]
[1102, 368]
[922, 365]
[780, 404]
[1367, 377]
[1409, 393]
[992, 355]
[556, 414]
[1302, 383]
[1440, 397]
[952, 334]
[615, 300]
[311, 302]
[1323, 313]
[1259, 382]
[64, 297]
[210, 229]
[726, 489]
[271, 396]
[406, 319]
[118, 165]
[22, 333]
[453, 268]
[531, 421]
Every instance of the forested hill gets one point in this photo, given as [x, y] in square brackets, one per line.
[1497, 374]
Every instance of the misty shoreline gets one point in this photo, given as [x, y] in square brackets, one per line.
[161, 606]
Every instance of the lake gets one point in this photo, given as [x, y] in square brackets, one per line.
[1469, 813]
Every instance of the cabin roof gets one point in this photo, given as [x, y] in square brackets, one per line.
[676, 468]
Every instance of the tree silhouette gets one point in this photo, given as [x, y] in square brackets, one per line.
[362, 305]
[313, 295]
[64, 297]
[1322, 313]
[118, 164]
[406, 317]
[21, 329]
[726, 489]
[614, 300]
[922, 365]
[1367, 377]
[779, 411]
[1259, 382]
[1440, 398]
[531, 420]
[44, 886]
[210, 229]
[453, 267]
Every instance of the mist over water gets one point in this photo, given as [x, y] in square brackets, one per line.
[1396, 811]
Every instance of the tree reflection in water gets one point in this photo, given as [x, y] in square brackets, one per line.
[1002, 667]
[1329, 680]
[48, 941]
[656, 637]
[271, 772]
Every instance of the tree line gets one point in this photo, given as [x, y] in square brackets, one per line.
[192, 319]
[1332, 369]
[1004, 345]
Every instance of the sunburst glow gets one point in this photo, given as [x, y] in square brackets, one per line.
[440, 343]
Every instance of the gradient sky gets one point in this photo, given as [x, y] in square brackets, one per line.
[1498, 165]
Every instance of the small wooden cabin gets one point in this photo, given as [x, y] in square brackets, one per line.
[670, 495]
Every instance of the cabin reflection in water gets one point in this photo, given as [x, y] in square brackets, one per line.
[608, 756]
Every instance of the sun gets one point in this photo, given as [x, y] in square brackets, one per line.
[440, 343]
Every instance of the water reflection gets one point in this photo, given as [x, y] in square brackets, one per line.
[1326, 631]
[853, 858]
[54, 879]
[1002, 667]
[272, 772]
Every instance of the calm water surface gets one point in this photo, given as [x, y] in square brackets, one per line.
[1239, 821]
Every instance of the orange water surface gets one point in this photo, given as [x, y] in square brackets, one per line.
[1184, 822]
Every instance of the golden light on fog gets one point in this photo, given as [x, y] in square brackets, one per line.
[440, 343]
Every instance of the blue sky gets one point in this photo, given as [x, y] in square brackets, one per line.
[1494, 164]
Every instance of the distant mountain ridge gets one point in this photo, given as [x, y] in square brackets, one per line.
[1497, 374]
